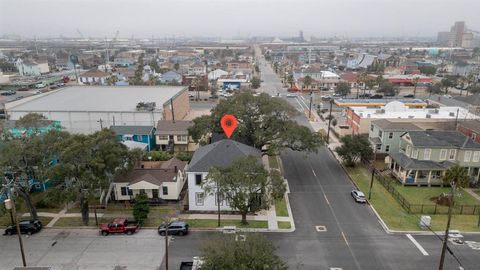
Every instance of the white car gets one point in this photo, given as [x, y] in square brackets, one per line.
[447, 96]
[358, 196]
[291, 95]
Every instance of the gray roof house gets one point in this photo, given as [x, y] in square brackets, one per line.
[384, 135]
[172, 135]
[219, 154]
[424, 156]
[171, 76]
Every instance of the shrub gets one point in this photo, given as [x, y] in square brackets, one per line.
[141, 209]
[184, 156]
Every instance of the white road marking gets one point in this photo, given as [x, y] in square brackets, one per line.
[326, 198]
[422, 250]
[314, 173]
[306, 106]
[299, 103]
[345, 238]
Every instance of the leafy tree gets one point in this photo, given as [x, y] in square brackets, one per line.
[213, 89]
[176, 66]
[255, 81]
[448, 82]
[354, 148]
[388, 88]
[87, 164]
[307, 81]
[428, 70]
[137, 78]
[434, 89]
[141, 208]
[154, 65]
[343, 88]
[7, 66]
[275, 67]
[112, 80]
[243, 184]
[184, 156]
[158, 156]
[456, 176]
[262, 120]
[223, 252]
[32, 121]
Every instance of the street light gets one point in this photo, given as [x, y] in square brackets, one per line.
[10, 205]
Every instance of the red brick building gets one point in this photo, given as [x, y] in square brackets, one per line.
[470, 128]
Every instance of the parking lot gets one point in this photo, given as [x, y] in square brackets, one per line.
[84, 249]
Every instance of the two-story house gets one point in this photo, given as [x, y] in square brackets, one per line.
[159, 180]
[220, 154]
[384, 135]
[425, 156]
[470, 128]
[142, 136]
[172, 136]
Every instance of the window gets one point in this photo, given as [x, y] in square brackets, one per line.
[165, 190]
[181, 138]
[378, 147]
[468, 155]
[198, 179]
[451, 156]
[390, 135]
[155, 193]
[371, 127]
[474, 136]
[199, 198]
[415, 153]
[443, 154]
[409, 150]
[163, 137]
[426, 154]
[217, 198]
[476, 156]
[387, 148]
[125, 191]
[380, 134]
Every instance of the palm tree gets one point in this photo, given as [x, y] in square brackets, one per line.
[362, 78]
[456, 176]
[415, 82]
[290, 80]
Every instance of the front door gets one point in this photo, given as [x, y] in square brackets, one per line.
[155, 193]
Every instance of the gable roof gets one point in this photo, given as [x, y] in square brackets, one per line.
[168, 127]
[95, 73]
[387, 125]
[440, 138]
[164, 172]
[134, 130]
[417, 164]
[220, 154]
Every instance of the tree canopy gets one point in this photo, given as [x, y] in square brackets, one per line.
[354, 148]
[388, 88]
[343, 88]
[255, 81]
[244, 185]
[456, 176]
[223, 252]
[262, 120]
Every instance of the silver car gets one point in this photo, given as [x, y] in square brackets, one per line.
[358, 196]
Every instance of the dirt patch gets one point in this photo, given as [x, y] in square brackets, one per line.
[442, 199]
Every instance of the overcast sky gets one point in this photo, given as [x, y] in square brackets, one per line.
[231, 18]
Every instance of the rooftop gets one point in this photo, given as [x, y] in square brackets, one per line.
[220, 154]
[97, 99]
[416, 164]
[474, 125]
[395, 126]
[168, 127]
[377, 102]
[136, 130]
[440, 138]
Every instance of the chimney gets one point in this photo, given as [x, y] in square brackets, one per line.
[176, 169]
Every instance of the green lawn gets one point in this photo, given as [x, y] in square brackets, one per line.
[273, 162]
[396, 217]
[212, 223]
[281, 207]
[5, 220]
[284, 225]
[422, 195]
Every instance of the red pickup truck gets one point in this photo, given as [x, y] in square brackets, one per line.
[119, 225]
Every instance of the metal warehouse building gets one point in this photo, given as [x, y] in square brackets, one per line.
[86, 109]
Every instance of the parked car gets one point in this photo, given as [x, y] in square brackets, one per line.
[119, 225]
[60, 84]
[174, 228]
[337, 95]
[326, 97]
[358, 196]
[377, 96]
[40, 85]
[23, 89]
[26, 227]
[409, 96]
[364, 95]
[8, 93]
[290, 95]
[389, 94]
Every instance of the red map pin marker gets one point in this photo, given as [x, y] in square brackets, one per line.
[229, 124]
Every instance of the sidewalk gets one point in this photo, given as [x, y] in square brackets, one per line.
[62, 214]
[471, 192]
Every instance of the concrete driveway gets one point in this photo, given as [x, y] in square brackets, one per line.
[84, 249]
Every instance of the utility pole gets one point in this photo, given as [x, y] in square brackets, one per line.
[445, 238]
[101, 123]
[329, 122]
[10, 205]
[373, 172]
[310, 109]
[218, 202]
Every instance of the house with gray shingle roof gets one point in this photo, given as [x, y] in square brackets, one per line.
[384, 135]
[424, 156]
[220, 154]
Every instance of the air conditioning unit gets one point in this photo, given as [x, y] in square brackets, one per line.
[429, 115]
[380, 111]
[452, 114]
[411, 117]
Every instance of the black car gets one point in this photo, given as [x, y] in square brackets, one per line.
[409, 96]
[26, 227]
[174, 228]
[377, 96]
[364, 95]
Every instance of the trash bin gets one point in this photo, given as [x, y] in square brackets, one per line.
[425, 221]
